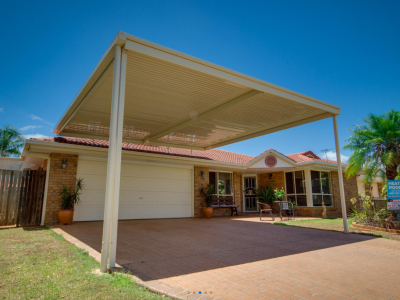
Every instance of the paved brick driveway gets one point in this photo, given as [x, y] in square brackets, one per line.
[242, 258]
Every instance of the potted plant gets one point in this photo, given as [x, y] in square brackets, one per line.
[209, 196]
[266, 196]
[279, 194]
[70, 197]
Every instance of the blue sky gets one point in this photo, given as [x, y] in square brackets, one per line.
[342, 52]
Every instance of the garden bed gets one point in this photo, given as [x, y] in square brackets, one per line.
[375, 228]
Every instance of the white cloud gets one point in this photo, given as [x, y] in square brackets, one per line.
[35, 136]
[1, 109]
[30, 127]
[33, 117]
[332, 156]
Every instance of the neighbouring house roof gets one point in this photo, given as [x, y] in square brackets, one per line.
[212, 154]
[307, 156]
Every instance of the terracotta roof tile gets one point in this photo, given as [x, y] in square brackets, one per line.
[212, 154]
[309, 156]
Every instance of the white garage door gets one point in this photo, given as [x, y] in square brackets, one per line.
[147, 192]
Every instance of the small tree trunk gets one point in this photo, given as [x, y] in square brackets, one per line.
[391, 172]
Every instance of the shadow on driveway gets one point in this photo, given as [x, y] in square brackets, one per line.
[163, 248]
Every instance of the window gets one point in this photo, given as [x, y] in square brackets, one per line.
[296, 187]
[222, 182]
[321, 188]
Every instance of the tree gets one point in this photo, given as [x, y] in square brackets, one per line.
[376, 146]
[11, 141]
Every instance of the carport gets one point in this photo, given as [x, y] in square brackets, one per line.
[144, 93]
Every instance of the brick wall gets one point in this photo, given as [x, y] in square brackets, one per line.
[350, 191]
[278, 179]
[350, 187]
[238, 191]
[58, 178]
[199, 182]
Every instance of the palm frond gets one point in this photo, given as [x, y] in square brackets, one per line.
[375, 145]
[11, 141]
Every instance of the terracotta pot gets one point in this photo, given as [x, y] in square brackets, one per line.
[264, 206]
[65, 216]
[207, 211]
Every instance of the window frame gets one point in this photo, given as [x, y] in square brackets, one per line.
[295, 189]
[216, 185]
[320, 185]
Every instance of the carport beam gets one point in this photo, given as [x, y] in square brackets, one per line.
[111, 164]
[340, 174]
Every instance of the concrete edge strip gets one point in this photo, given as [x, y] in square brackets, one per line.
[96, 255]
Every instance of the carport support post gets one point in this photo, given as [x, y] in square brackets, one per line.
[340, 174]
[112, 161]
[114, 229]
[46, 188]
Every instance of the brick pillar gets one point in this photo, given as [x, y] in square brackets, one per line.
[350, 191]
[238, 191]
[57, 179]
[199, 182]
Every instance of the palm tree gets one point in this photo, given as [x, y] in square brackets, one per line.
[376, 146]
[11, 141]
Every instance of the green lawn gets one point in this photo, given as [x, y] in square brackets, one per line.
[39, 264]
[336, 225]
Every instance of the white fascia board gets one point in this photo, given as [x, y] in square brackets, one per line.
[92, 90]
[260, 131]
[142, 162]
[101, 66]
[160, 52]
[377, 179]
[53, 147]
[320, 163]
[268, 152]
[11, 159]
[38, 155]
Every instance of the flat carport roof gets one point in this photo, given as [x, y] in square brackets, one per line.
[144, 93]
[173, 99]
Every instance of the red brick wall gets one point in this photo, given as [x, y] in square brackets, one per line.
[278, 179]
[58, 178]
[199, 183]
[238, 191]
[350, 191]
[350, 187]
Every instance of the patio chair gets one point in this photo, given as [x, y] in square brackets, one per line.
[268, 210]
[286, 207]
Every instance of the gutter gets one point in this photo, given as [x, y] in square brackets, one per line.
[194, 160]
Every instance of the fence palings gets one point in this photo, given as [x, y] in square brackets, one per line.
[21, 197]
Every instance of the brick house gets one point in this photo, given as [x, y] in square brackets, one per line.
[161, 182]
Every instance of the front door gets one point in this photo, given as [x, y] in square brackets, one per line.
[249, 188]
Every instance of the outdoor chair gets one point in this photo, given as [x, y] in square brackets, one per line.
[268, 210]
[286, 207]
